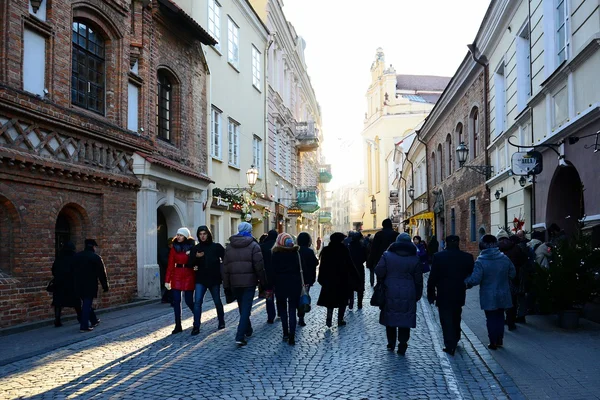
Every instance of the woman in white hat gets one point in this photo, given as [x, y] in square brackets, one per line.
[180, 278]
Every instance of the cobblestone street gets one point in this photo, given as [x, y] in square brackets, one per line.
[351, 362]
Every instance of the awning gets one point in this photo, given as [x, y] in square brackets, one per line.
[428, 216]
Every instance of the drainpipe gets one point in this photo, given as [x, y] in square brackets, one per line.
[412, 177]
[266, 141]
[426, 166]
[531, 117]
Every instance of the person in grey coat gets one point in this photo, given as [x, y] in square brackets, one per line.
[493, 271]
[401, 272]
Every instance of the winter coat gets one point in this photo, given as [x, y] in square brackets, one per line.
[519, 259]
[209, 266]
[381, 241]
[243, 265]
[358, 253]
[182, 276]
[89, 269]
[446, 284]
[422, 254]
[63, 271]
[400, 271]
[492, 271]
[337, 276]
[266, 248]
[286, 270]
[542, 252]
[309, 264]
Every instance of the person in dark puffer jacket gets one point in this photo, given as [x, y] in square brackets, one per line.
[309, 267]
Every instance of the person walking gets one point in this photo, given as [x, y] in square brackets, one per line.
[422, 253]
[243, 269]
[180, 278]
[205, 259]
[400, 271]
[508, 245]
[318, 244]
[285, 262]
[336, 273]
[266, 246]
[89, 269]
[493, 271]
[309, 267]
[381, 241]
[358, 253]
[446, 287]
[64, 294]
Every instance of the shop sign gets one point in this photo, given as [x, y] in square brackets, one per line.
[218, 202]
[294, 211]
[526, 163]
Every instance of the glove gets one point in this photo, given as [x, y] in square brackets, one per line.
[168, 285]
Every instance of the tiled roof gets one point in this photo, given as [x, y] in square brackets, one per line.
[203, 36]
[421, 82]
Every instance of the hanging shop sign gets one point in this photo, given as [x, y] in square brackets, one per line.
[526, 163]
[294, 211]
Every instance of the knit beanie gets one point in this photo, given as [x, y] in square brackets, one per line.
[403, 238]
[184, 231]
[284, 240]
[244, 227]
[502, 234]
[488, 242]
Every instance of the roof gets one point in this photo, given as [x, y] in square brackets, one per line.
[174, 166]
[422, 82]
[202, 35]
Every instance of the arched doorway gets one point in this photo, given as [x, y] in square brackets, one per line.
[9, 221]
[162, 235]
[71, 225]
[62, 233]
[565, 199]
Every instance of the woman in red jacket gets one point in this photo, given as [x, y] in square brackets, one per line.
[180, 278]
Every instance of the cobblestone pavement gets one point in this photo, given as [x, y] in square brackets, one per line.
[351, 362]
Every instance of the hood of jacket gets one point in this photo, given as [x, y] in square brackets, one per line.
[281, 249]
[238, 241]
[491, 254]
[183, 246]
[209, 238]
[403, 249]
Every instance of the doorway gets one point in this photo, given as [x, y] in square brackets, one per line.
[565, 210]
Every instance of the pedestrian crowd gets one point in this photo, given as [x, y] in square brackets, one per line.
[284, 269]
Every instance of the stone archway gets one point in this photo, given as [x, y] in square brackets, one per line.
[9, 229]
[72, 224]
[565, 204]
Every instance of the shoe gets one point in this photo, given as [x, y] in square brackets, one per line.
[449, 351]
[286, 337]
[500, 343]
[359, 307]
[195, 331]
[241, 343]
[177, 329]
[221, 325]
[512, 327]
[391, 347]
[402, 349]
[86, 330]
[341, 323]
[301, 323]
[492, 346]
[520, 320]
[270, 321]
[292, 340]
[57, 324]
[249, 333]
[95, 324]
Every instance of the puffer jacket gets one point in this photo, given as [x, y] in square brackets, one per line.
[181, 278]
[243, 264]
[492, 271]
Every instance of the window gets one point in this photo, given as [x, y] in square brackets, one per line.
[473, 213]
[215, 133]
[34, 62]
[449, 151]
[561, 107]
[502, 157]
[234, 226]
[276, 138]
[234, 143]
[500, 94]
[87, 79]
[214, 21]
[434, 169]
[163, 106]
[133, 95]
[255, 67]
[214, 228]
[440, 164]
[523, 68]
[474, 139]
[561, 21]
[257, 154]
[504, 210]
[452, 222]
[288, 164]
[233, 41]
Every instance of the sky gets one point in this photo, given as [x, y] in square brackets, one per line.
[424, 37]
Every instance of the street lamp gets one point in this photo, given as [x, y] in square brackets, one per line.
[522, 181]
[411, 192]
[251, 176]
[462, 152]
[498, 193]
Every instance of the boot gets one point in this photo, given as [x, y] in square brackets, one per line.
[402, 348]
[195, 330]
[178, 328]
[329, 317]
[57, 322]
[292, 339]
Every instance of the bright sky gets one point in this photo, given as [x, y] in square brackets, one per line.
[427, 37]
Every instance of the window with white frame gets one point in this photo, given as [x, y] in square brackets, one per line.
[257, 154]
[523, 68]
[233, 42]
[502, 157]
[34, 62]
[500, 98]
[214, 21]
[561, 107]
[561, 18]
[233, 129]
[276, 147]
[288, 165]
[256, 67]
[215, 133]
[474, 133]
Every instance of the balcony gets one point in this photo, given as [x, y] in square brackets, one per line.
[308, 200]
[307, 136]
[324, 217]
[325, 173]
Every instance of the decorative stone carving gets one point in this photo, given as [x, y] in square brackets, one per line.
[438, 204]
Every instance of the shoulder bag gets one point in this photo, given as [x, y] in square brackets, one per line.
[304, 303]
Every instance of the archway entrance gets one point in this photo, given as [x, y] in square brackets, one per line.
[71, 225]
[565, 200]
[8, 231]
[62, 233]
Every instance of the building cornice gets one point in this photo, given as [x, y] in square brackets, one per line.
[251, 16]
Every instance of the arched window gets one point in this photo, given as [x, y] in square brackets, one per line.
[434, 169]
[474, 132]
[440, 164]
[62, 233]
[449, 151]
[459, 138]
[88, 68]
[164, 106]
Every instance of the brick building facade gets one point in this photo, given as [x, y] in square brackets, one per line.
[119, 85]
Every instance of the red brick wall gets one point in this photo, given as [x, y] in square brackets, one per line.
[462, 184]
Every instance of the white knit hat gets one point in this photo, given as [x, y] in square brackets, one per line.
[184, 231]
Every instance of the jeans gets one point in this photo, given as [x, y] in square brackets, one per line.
[450, 321]
[372, 276]
[511, 313]
[360, 295]
[341, 312]
[87, 314]
[495, 325]
[189, 300]
[244, 297]
[287, 304]
[270, 303]
[215, 292]
[403, 334]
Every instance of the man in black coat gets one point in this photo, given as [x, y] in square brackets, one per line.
[381, 242]
[447, 289]
[266, 246]
[89, 268]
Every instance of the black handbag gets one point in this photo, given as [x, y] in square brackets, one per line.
[229, 296]
[378, 297]
[304, 301]
[50, 286]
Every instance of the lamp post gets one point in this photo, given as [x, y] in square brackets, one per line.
[462, 152]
